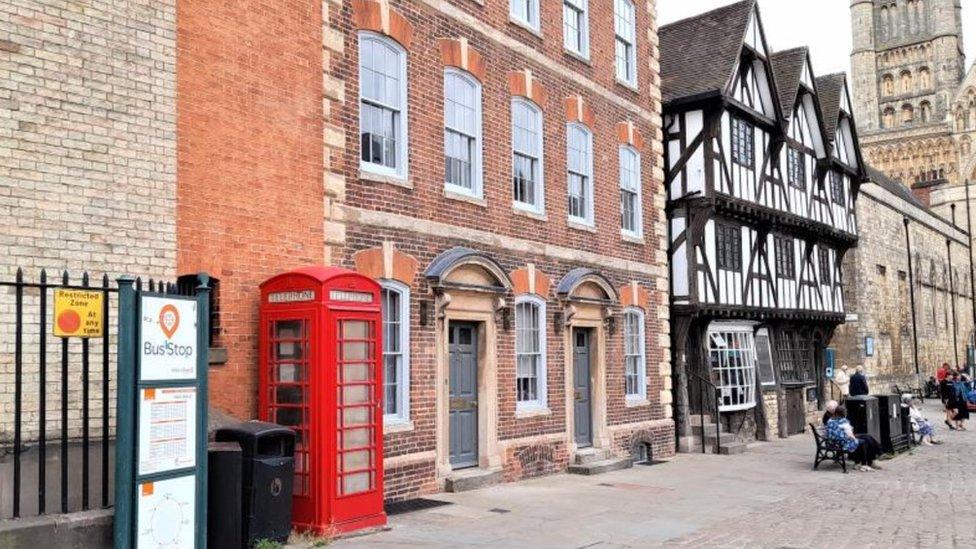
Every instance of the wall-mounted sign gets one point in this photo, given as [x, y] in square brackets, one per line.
[167, 429]
[78, 313]
[291, 297]
[168, 342]
[355, 297]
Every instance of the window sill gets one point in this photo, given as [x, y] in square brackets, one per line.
[525, 26]
[628, 85]
[577, 56]
[637, 401]
[454, 195]
[581, 226]
[367, 175]
[632, 238]
[397, 425]
[525, 212]
[531, 411]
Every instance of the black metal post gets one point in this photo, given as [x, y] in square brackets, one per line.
[84, 413]
[105, 390]
[701, 410]
[952, 300]
[42, 402]
[64, 416]
[18, 385]
[972, 273]
[911, 293]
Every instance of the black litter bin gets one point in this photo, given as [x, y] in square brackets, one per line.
[224, 465]
[863, 413]
[268, 452]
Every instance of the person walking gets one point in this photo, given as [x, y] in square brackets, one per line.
[959, 383]
[947, 393]
[843, 380]
[859, 383]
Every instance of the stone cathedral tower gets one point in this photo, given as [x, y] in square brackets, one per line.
[908, 64]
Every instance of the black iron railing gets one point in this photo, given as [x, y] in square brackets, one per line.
[705, 386]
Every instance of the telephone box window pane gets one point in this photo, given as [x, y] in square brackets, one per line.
[288, 395]
[355, 438]
[291, 373]
[357, 350]
[357, 482]
[289, 416]
[355, 416]
[356, 460]
[355, 329]
[356, 372]
[355, 394]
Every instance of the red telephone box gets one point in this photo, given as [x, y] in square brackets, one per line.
[321, 374]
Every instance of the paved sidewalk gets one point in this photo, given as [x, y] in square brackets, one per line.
[767, 497]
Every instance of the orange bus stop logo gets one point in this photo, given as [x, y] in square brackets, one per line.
[169, 320]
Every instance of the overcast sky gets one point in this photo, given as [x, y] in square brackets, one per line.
[822, 25]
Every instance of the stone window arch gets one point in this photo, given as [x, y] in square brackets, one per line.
[924, 78]
[925, 112]
[907, 114]
[906, 81]
[889, 117]
[888, 85]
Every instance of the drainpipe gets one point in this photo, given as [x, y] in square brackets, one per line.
[972, 273]
[952, 298]
[911, 292]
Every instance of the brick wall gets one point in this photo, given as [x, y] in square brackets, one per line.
[250, 171]
[87, 165]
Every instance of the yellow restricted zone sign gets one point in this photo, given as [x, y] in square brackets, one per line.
[78, 313]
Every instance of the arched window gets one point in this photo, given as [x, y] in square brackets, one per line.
[382, 105]
[906, 82]
[907, 114]
[530, 352]
[527, 156]
[396, 351]
[889, 117]
[924, 78]
[635, 363]
[579, 164]
[462, 132]
[630, 192]
[925, 112]
[888, 85]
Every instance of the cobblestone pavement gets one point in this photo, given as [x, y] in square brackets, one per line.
[767, 497]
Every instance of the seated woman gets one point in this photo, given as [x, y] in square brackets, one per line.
[863, 449]
[922, 426]
[829, 410]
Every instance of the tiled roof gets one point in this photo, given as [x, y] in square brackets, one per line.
[787, 70]
[829, 88]
[698, 54]
[894, 187]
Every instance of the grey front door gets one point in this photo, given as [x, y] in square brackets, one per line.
[581, 388]
[463, 346]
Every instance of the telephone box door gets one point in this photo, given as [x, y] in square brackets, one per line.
[359, 410]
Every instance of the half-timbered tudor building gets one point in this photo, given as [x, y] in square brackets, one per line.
[761, 212]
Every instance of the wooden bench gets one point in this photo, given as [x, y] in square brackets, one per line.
[828, 449]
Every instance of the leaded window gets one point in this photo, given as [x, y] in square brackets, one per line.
[784, 257]
[732, 357]
[462, 132]
[630, 206]
[796, 167]
[625, 30]
[837, 188]
[823, 258]
[395, 303]
[634, 360]
[743, 143]
[728, 247]
[527, 154]
[794, 356]
[382, 105]
[579, 163]
[530, 341]
[576, 27]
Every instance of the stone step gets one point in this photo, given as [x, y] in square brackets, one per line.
[586, 456]
[600, 467]
[732, 448]
[472, 479]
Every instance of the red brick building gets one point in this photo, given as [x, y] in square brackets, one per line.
[496, 168]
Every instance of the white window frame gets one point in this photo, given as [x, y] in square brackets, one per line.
[540, 194]
[540, 403]
[477, 190]
[630, 40]
[533, 7]
[641, 393]
[588, 218]
[638, 231]
[401, 170]
[402, 416]
[583, 6]
[745, 365]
